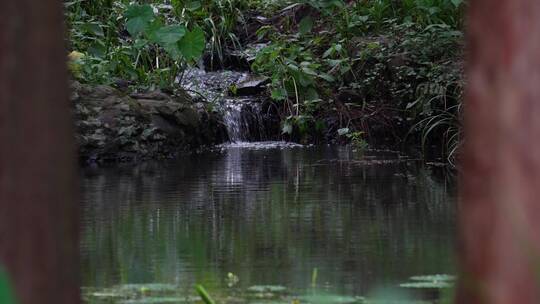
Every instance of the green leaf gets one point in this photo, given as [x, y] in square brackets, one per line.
[138, 18]
[192, 45]
[97, 49]
[94, 29]
[456, 3]
[309, 71]
[306, 25]
[279, 93]
[287, 128]
[343, 131]
[204, 295]
[193, 6]
[327, 77]
[169, 34]
[174, 51]
[7, 295]
[329, 52]
[151, 30]
[140, 43]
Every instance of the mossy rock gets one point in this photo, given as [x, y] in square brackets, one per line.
[188, 116]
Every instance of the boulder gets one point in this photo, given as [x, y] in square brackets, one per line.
[250, 86]
[112, 126]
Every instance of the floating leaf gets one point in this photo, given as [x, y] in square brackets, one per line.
[329, 299]
[427, 285]
[156, 300]
[435, 277]
[269, 288]
[138, 18]
[437, 281]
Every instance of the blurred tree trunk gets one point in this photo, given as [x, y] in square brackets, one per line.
[38, 223]
[500, 190]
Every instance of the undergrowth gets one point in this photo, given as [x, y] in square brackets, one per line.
[380, 70]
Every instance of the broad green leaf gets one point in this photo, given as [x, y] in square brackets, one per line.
[169, 34]
[192, 44]
[138, 18]
[456, 3]
[173, 50]
[151, 29]
[305, 25]
[279, 94]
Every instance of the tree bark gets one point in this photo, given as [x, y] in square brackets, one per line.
[38, 219]
[500, 188]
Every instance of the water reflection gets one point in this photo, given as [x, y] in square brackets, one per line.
[268, 215]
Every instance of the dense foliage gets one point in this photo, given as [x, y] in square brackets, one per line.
[349, 70]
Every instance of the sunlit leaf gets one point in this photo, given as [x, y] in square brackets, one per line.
[343, 131]
[286, 129]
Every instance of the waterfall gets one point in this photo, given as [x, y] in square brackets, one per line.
[243, 116]
[243, 120]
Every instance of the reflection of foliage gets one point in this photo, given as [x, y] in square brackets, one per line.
[292, 209]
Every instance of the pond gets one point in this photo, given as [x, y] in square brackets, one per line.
[268, 214]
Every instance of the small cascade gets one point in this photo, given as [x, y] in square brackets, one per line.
[243, 116]
[232, 118]
[244, 120]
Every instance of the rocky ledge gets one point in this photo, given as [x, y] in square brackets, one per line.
[115, 126]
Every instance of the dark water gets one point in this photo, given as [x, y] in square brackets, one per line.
[270, 216]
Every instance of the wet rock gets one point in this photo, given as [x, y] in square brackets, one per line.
[250, 86]
[112, 126]
[154, 95]
[188, 117]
